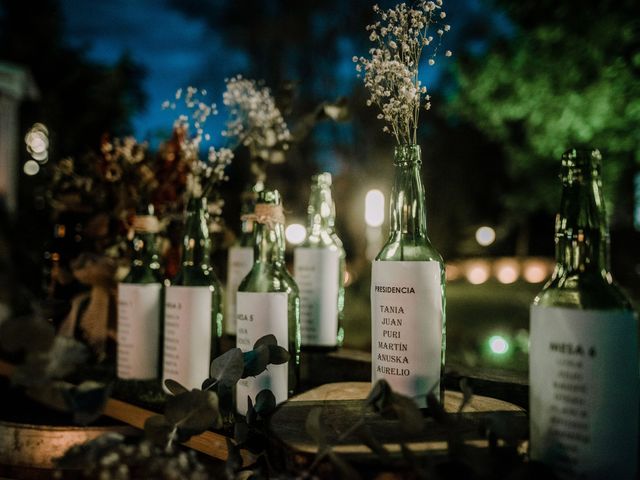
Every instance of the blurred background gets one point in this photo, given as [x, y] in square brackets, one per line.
[527, 80]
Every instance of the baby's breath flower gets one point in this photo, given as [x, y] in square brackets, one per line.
[391, 72]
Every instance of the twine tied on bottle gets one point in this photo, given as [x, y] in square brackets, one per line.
[146, 224]
[266, 214]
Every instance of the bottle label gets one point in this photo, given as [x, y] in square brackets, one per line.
[239, 264]
[406, 326]
[187, 335]
[260, 314]
[316, 271]
[583, 372]
[138, 330]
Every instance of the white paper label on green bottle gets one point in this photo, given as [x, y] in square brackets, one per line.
[316, 271]
[239, 263]
[138, 330]
[406, 326]
[583, 400]
[187, 335]
[260, 314]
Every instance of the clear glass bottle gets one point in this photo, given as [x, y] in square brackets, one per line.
[239, 262]
[408, 292]
[193, 307]
[318, 266]
[268, 302]
[583, 358]
[140, 304]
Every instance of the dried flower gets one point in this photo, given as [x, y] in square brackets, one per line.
[391, 72]
[254, 119]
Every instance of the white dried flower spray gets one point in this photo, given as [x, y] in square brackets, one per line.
[254, 119]
[204, 175]
[401, 35]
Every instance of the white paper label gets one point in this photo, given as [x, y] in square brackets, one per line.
[316, 271]
[187, 335]
[138, 330]
[239, 263]
[583, 371]
[260, 314]
[406, 326]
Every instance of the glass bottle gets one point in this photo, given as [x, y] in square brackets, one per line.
[319, 265]
[268, 302]
[583, 358]
[239, 262]
[408, 292]
[193, 314]
[140, 304]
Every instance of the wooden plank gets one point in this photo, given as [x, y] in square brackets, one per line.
[342, 405]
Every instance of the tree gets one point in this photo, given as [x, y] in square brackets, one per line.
[570, 76]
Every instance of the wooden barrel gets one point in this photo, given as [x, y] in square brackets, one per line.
[29, 451]
[342, 405]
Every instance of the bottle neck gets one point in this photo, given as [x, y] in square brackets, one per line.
[145, 253]
[582, 235]
[269, 234]
[407, 204]
[321, 210]
[196, 243]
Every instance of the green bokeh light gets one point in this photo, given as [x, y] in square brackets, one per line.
[498, 345]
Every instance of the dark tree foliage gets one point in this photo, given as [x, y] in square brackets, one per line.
[569, 76]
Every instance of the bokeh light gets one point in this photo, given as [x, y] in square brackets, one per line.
[295, 233]
[498, 344]
[374, 208]
[507, 270]
[485, 236]
[535, 271]
[31, 167]
[477, 272]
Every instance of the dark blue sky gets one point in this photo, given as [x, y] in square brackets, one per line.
[178, 51]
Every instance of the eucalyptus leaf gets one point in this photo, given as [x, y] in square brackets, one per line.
[240, 432]
[268, 339]
[87, 400]
[193, 412]
[174, 387]
[252, 415]
[255, 361]
[228, 367]
[408, 413]
[65, 355]
[278, 355]
[366, 436]
[313, 426]
[234, 460]
[157, 429]
[467, 393]
[379, 397]
[436, 409]
[265, 403]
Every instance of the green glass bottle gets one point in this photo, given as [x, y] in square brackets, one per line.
[139, 304]
[193, 313]
[318, 266]
[408, 292]
[583, 358]
[239, 262]
[268, 302]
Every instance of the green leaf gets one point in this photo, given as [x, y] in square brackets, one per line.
[278, 355]
[467, 393]
[193, 412]
[313, 427]
[174, 387]
[234, 460]
[157, 430]
[252, 415]
[366, 436]
[408, 413]
[379, 397]
[265, 403]
[228, 367]
[240, 432]
[255, 361]
[269, 339]
[87, 400]
[436, 409]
